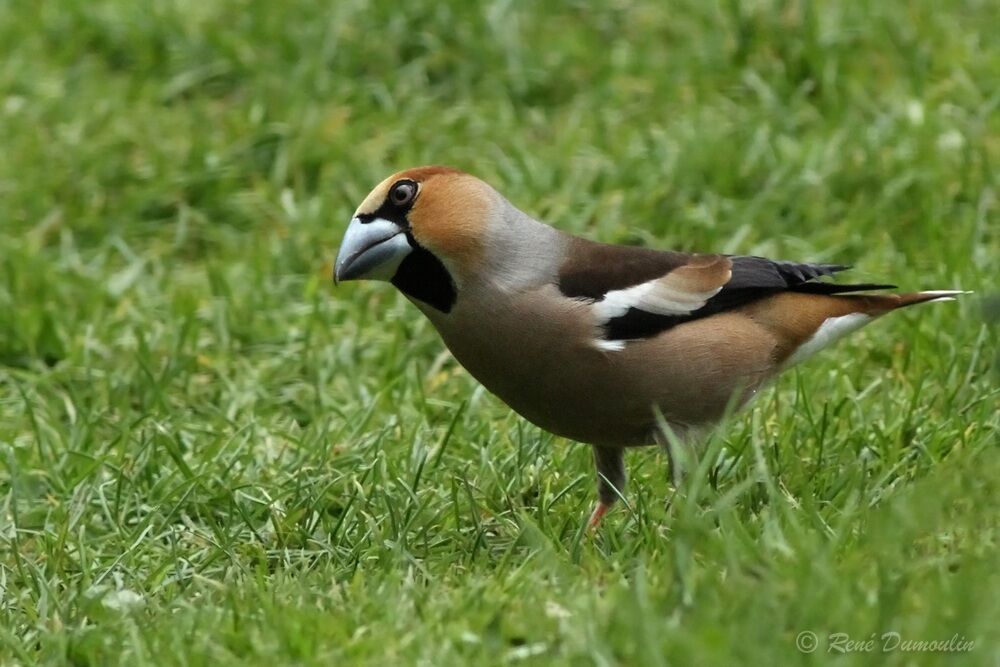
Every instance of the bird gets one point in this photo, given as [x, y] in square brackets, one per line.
[609, 345]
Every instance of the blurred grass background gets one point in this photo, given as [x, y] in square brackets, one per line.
[209, 456]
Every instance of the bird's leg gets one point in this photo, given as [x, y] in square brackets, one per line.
[670, 444]
[675, 459]
[676, 474]
[610, 463]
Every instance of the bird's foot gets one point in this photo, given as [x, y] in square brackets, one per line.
[597, 515]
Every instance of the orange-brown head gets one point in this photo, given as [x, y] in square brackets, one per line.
[419, 229]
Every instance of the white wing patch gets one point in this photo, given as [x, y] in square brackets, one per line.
[832, 330]
[679, 292]
[609, 345]
[659, 297]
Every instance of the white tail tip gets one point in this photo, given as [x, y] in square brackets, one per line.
[943, 294]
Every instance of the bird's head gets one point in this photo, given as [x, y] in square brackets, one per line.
[422, 230]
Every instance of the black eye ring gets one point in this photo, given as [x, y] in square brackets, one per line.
[403, 193]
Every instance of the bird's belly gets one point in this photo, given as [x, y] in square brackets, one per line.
[605, 398]
[568, 405]
[560, 381]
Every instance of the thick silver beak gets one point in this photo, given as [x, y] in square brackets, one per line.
[371, 250]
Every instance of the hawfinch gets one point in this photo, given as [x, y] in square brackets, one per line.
[604, 344]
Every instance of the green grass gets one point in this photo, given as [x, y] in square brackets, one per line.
[210, 456]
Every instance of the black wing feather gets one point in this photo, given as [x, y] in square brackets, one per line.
[753, 278]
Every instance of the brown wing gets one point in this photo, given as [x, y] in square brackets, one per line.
[639, 292]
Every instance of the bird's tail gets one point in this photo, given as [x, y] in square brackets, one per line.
[883, 303]
[822, 322]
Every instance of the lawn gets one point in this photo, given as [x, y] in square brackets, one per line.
[209, 455]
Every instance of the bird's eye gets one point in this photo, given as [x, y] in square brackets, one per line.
[402, 193]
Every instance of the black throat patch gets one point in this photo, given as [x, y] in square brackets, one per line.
[422, 276]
